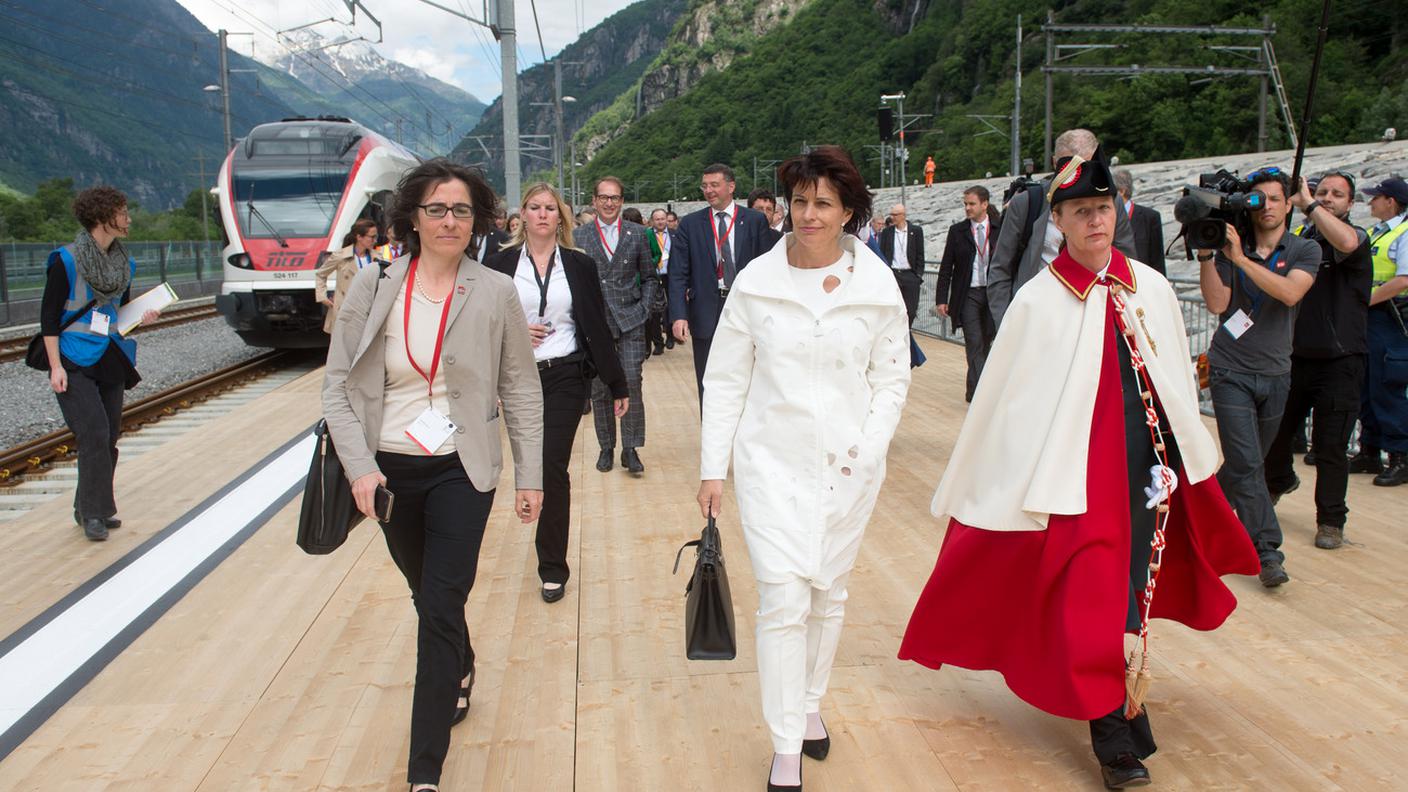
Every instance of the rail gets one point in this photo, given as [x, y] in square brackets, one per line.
[38, 453]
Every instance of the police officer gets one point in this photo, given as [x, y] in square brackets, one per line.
[1383, 414]
[1327, 355]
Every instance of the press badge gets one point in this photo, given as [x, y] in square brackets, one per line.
[1238, 323]
[430, 430]
[98, 323]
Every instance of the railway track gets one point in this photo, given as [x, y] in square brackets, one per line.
[39, 455]
[14, 348]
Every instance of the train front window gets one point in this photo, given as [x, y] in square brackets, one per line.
[282, 203]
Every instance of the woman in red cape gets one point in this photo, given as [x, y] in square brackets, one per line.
[1048, 608]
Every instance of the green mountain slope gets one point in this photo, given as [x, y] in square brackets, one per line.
[819, 78]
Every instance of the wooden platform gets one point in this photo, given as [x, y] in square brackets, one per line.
[284, 672]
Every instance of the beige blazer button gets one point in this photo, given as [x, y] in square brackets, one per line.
[459, 429]
[449, 360]
[454, 394]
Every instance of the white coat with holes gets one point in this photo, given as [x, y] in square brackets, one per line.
[805, 404]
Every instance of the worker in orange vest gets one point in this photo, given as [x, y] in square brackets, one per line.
[929, 168]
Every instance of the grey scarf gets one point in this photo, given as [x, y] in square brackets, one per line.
[107, 272]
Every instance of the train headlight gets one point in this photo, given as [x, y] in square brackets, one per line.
[241, 261]
[323, 258]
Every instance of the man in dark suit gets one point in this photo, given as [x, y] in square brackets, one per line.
[628, 283]
[712, 246]
[1147, 222]
[761, 199]
[902, 247]
[962, 290]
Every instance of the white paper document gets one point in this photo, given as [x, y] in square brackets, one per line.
[130, 315]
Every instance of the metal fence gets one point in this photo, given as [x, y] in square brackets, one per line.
[1200, 323]
[22, 269]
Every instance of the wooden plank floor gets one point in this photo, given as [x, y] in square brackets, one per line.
[285, 672]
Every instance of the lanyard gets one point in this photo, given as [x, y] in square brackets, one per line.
[361, 262]
[543, 283]
[439, 335]
[719, 242]
[609, 251]
[980, 240]
[1260, 296]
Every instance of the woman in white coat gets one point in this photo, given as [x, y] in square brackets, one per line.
[806, 379]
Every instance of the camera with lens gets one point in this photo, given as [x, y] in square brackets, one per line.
[1205, 210]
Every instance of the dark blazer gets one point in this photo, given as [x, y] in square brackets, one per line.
[694, 282]
[627, 282]
[1148, 237]
[956, 267]
[915, 249]
[588, 312]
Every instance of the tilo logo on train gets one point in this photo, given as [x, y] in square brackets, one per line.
[286, 260]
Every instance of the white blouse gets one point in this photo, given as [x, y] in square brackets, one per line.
[552, 308]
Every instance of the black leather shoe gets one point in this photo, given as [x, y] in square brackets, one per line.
[603, 461]
[630, 460]
[95, 530]
[817, 749]
[659, 349]
[1310, 457]
[1366, 461]
[1125, 772]
[1396, 473]
[554, 594]
[669, 341]
[463, 712]
[1273, 574]
[111, 523]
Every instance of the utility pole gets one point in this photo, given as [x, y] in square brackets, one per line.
[557, 110]
[1050, 61]
[225, 86]
[901, 121]
[1017, 106]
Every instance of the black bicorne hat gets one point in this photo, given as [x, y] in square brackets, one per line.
[1079, 178]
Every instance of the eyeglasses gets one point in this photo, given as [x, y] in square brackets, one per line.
[438, 210]
[610, 198]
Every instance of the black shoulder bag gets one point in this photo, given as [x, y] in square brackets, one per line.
[36, 356]
[708, 609]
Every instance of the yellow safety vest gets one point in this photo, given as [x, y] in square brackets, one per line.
[1384, 267]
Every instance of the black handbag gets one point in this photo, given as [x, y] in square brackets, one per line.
[329, 513]
[36, 356]
[708, 609]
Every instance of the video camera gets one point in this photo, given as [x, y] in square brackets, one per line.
[1220, 198]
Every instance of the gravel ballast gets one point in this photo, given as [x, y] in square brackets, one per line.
[165, 358]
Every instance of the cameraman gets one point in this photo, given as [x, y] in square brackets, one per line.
[1327, 355]
[1254, 286]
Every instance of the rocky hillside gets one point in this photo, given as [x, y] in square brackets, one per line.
[597, 68]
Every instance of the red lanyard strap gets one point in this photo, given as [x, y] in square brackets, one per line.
[439, 335]
[609, 251]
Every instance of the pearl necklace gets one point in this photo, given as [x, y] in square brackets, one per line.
[428, 298]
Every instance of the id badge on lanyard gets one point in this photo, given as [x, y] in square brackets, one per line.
[98, 323]
[719, 243]
[431, 428]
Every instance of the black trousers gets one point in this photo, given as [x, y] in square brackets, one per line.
[701, 362]
[1112, 736]
[975, 317]
[910, 284]
[93, 412]
[564, 387]
[1330, 388]
[436, 529]
[657, 330]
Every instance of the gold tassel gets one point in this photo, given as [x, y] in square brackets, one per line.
[1136, 685]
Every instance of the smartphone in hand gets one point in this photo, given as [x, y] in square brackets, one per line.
[382, 501]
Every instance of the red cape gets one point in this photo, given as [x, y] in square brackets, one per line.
[1047, 608]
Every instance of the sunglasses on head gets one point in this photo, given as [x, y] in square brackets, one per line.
[1327, 174]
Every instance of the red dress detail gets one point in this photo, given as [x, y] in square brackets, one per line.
[1047, 609]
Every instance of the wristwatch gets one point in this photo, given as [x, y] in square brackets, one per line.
[1207, 258]
[1311, 207]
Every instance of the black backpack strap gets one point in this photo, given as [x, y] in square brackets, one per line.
[1036, 202]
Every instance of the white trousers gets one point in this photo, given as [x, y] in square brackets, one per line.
[798, 629]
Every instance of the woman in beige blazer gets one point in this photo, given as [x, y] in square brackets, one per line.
[356, 254]
[421, 358]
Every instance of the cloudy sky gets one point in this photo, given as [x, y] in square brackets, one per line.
[442, 45]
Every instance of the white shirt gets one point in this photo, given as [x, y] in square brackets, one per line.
[980, 258]
[611, 233]
[1051, 245]
[811, 283]
[662, 238]
[901, 258]
[563, 339]
[731, 223]
[406, 395]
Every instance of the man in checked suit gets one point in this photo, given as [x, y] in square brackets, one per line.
[711, 246]
[1148, 224]
[628, 283]
[1025, 248]
[962, 291]
[902, 248]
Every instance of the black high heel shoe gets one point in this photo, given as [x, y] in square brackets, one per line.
[463, 712]
[817, 749]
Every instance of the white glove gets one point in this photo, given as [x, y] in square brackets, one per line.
[1162, 482]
